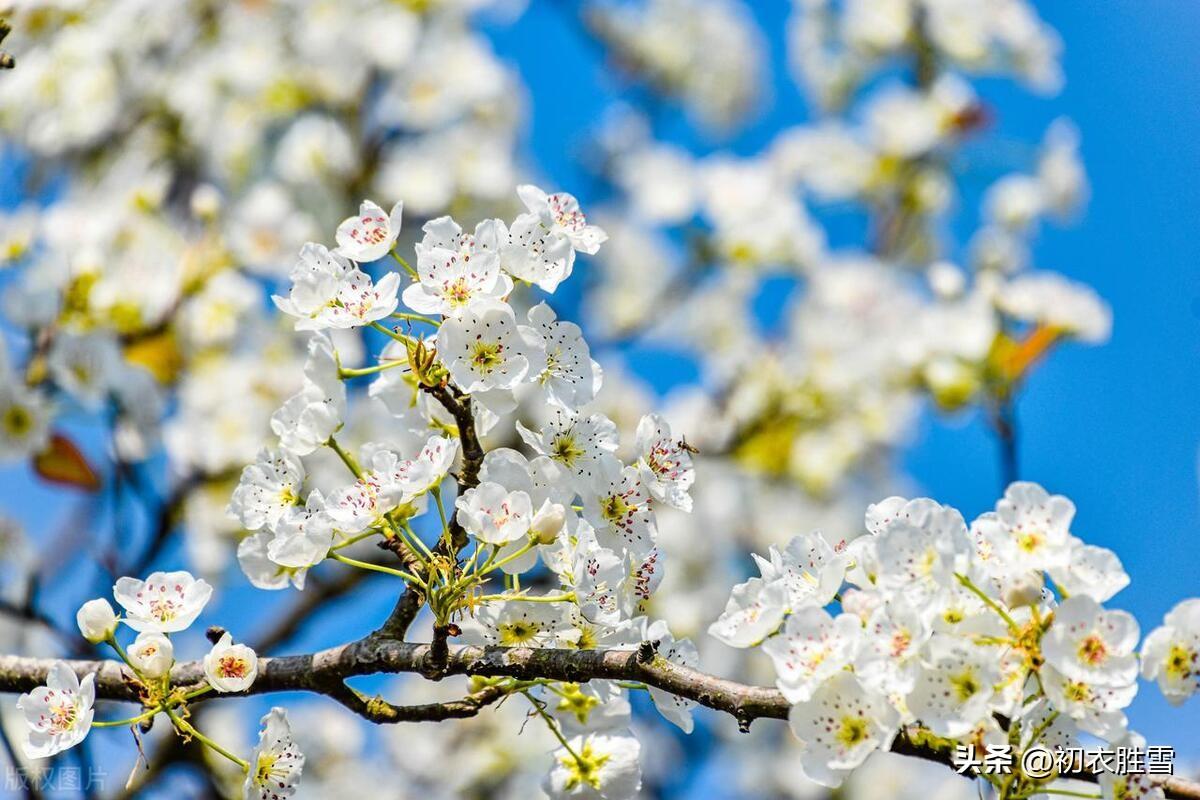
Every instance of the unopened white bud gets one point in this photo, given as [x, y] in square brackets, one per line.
[547, 522]
[152, 654]
[96, 619]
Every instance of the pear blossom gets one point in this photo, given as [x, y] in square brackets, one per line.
[894, 636]
[486, 349]
[152, 654]
[1095, 709]
[1087, 643]
[1090, 570]
[25, 416]
[59, 714]
[165, 602]
[571, 377]
[542, 243]
[260, 570]
[809, 568]
[920, 549]
[618, 507]
[954, 691]
[230, 667]
[512, 623]
[369, 235]
[664, 463]
[1064, 306]
[303, 535]
[755, 610]
[493, 515]
[576, 442]
[307, 420]
[676, 709]
[1030, 529]
[457, 272]
[811, 647]
[1171, 653]
[596, 766]
[97, 621]
[267, 490]
[329, 292]
[276, 762]
[839, 727]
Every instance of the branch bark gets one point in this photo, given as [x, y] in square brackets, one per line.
[325, 672]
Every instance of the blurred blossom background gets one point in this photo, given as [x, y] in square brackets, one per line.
[850, 256]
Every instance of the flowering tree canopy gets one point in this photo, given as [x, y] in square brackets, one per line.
[287, 305]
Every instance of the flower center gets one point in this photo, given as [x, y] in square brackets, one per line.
[485, 356]
[1093, 650]
[853, 731]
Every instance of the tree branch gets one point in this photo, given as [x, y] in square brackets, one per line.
[325, 672]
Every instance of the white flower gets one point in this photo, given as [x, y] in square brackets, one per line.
[458, 272]
[618, 507]
[1171, 653]
[954, 691]
[307, 420]
[85, 366]
[276, 763]
[1090, 570]
[1030, 530]
[96, 619]
[560, 214]
[230, 667]
[152, 654]
[812, 647]
[493, 515]
[1049, 299]
[260, 570]
[486, 349]
[571, 378]
[1095, 709]
[25, 416]
[163, 603]
[755, 610]
[1089, 644]
[329, 292]
[267, 490]
[597, 766]
[533, 252]
[59, 714]
[578, 443]
[315, 281]
[369, 235]
[678, 651]
[513, 623]
[920, 549]
[893, 637]
[303, 535]
[664, 463]
[839, 727]
[809, 568]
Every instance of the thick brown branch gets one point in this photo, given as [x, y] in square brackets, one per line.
[325, 672]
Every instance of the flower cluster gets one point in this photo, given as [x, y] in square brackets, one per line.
[60, 714]
[568, 511]
[927, 626]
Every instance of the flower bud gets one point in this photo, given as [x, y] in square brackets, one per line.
[547, 522]
[152, 654]
[96, 619]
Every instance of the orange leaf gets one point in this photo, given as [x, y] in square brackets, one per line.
[61, 462]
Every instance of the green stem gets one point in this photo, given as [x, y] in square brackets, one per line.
[347, 459]
[186, 727]
[553, 726]
[989, 602]
[569, 597]
[355, 373]
[354, 562]
[391, 334]
[355, 539]
[412, 272]
[436, 491]
[417, 318]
